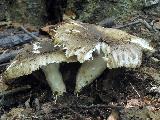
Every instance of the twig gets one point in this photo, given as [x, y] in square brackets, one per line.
[100, 106]
[128, 24]
[134, 89]
[15, 90]
[147, 25]
[7, 56]
[30, 34]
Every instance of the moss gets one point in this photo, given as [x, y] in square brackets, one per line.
[95, 10]
[3, 8]
[27, 11]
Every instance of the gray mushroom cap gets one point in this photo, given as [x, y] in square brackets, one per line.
[118, 48]
[33, 57]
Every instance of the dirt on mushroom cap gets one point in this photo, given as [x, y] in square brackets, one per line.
[83, 39]
[78, 39]
[34, 56]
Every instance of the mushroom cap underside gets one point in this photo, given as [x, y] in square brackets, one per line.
[127, 55]
[32, 57]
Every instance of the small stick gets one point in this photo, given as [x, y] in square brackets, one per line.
[134, 89]
[15, 90]
[147, 25]
[30, 34]
[100, 106]
[128, 24]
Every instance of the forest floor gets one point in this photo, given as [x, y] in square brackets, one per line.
[129, 94]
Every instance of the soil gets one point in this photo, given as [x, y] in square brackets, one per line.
[118, 94]
[127, 94]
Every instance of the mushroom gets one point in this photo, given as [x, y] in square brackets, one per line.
[98, 48]
[41, 54]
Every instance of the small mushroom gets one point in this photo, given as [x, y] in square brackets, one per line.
[44, 55]
[98, 48]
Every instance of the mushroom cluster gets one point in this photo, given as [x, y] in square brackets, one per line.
[97, 48]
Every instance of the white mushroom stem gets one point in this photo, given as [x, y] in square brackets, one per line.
[54, 78]
[89, 71]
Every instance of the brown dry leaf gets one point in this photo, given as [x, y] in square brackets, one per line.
[19, 114]
[114, 115]
[70, 13]
[157, 24]
[147, 100]
[151, 101]
[1, 50]
[47, 107]
[155, 74]
[47, 28]
[14, 114]
[16, 25]
[30, 28]
[133, 103]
